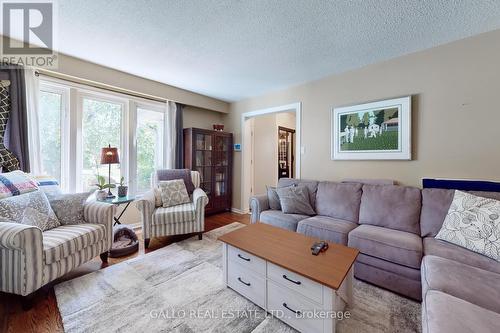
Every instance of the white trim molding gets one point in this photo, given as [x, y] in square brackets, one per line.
[239, 211]
[292, 107]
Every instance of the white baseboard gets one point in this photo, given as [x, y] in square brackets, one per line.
[239, 211]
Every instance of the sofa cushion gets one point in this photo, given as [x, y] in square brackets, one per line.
[312, 186]
[386, 279]
[65, 240]
[447, 250]
[407, 272]
[443, 313]
[326, 228]
[469, 283]
[174, 214]
[396, 246]
[339, 200]
[280, 219]
[435, 205]
[395, 207]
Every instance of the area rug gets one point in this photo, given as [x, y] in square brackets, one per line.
[179, 288]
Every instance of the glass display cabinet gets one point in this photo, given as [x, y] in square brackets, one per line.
[210, 153]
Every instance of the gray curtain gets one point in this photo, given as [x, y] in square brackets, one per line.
[179, 126]
[16, 135]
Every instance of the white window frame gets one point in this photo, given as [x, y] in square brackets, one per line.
[65, 128]
[71, 129]
[149, 106]
[124, 140]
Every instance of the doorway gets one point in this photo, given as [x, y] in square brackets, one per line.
[264, 155]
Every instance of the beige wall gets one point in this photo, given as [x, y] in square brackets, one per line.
[265, 143]
[265, 152]
[202, 118]
[456, 114]
[93, 72]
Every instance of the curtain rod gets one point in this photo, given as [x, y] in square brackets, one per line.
[98, 85]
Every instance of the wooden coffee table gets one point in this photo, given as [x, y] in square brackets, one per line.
[274, 268]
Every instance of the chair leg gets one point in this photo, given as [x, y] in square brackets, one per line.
[146, 242]
[104, 257]
[200, 236]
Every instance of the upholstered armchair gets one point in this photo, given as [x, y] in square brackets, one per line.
[30, 258]
[182, 219]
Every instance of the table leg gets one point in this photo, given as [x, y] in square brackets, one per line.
[117, 219]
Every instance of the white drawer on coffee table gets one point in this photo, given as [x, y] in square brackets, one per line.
[247, 283]
[296, 282]
[281, 301]
[246, 259]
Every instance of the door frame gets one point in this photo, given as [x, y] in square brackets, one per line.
[245, 171]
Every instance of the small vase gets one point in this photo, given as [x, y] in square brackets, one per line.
[101, 194]
[122, 191]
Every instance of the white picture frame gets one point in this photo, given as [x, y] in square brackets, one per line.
[378, 130]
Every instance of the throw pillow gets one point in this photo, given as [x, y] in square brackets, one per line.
[273, 198]
[69, 207]
[474, 223]
[30, 208]
[173, 174]
[295, 200]
[173, 193]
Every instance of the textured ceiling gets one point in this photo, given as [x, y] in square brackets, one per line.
[233, 49]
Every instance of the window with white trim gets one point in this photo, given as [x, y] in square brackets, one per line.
[77, 121]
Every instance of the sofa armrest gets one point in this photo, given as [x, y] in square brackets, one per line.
[97, 212]
[258, 204]
[200, 198]
[146, 203]
[17, 236]
[22, 248]
[146, 206]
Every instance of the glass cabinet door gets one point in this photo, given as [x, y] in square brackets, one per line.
[221, 178]
[203, 156]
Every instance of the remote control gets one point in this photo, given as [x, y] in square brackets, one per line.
[319, 247]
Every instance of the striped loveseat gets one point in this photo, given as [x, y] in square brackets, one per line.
[30, 258]
[183, 219]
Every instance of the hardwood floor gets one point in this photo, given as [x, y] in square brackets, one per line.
[45, 317]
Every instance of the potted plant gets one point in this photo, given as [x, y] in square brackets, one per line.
[122, 188]
[101, 193]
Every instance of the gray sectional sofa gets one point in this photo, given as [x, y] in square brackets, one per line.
[394, 229]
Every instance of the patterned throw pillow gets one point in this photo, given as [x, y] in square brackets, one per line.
[295, 200]
[173, 193]
[69, 207]
[474, 223]
[30, 208]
